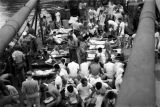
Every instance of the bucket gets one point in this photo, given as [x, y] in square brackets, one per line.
[65, 24]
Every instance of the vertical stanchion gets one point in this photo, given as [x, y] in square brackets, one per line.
[40, 23]
[36, 17]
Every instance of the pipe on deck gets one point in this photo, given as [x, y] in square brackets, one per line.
[158, 4]
[138, 87]
[12, 26]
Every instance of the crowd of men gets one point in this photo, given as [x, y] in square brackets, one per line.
[78, 81]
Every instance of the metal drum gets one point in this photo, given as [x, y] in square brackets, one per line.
[65, 24]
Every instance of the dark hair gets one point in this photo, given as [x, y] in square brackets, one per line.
[56, 66]
[111, 95]
[63, 60]
[96, 59]
[29, 73]
[66, 64]
[83, 80]
[99, 49]
[70, 88]
[44, 16]
[98, 85]
[109, 60]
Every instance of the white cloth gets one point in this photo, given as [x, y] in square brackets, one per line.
[118, 68]
[119, 71]
[94, 80]
[84, 91]
[102, 57]
[109, 68]
[76, 25]
[117, 16]
[133, 36]
[73, 19]
[113, 23]
[62, 66]
[101, 97]
[157, 38]
[73, 69]
[102, 19]
[99, 100]
[58, 82]
[63, 72]
[122, 27]
[84, 69]
[57, 14]
[118, 81]
[91, 13]
[72, 96]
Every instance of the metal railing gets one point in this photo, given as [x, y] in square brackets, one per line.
[138, 87]
[12, 26]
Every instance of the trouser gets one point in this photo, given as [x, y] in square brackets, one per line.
[33, 101]
[73, 55]
[20, 73]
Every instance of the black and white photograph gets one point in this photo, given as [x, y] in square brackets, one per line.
[79, 53]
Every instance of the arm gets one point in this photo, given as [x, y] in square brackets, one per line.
[23, 89]
[93, 91]
[101, 71]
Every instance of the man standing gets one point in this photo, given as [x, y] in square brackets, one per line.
[73, 45]
[19, 62]
[30, 89]
[85, 90]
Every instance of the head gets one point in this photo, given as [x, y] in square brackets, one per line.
[100, 50]
[54, 33]
[84, 82]
[29, 74]
[44, 17]
[63, 60]
[98, 85]
[96, 59]
[57, 67]
[70, 88]
[120, 20]
[111, 95]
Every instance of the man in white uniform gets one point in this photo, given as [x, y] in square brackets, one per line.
[73, 69]
[85, 92]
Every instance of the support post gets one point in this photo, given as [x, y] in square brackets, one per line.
[12, 26]
[40, 23]
[36, 18]
[138, 87]
[33, 19]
